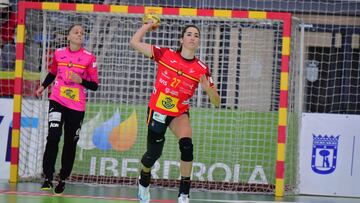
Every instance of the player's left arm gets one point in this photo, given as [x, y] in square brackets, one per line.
[92, 80]
[210, 89]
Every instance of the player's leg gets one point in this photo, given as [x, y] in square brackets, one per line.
[181, 127]
[72, 125]
[155, 145]
[53, 138]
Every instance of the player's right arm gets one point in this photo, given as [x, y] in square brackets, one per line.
[50, 77]
[136, 40]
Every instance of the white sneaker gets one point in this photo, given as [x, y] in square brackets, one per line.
[183, 198]
[144, 194]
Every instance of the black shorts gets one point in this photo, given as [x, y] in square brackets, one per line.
[158, 122]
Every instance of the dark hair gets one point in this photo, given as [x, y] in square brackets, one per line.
[72, 26]
[183, 33]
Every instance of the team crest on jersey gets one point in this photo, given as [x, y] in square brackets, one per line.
[94, 65]
[180, 72]
[168, 103]
[324, 154]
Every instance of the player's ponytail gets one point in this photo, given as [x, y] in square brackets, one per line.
[183, 33]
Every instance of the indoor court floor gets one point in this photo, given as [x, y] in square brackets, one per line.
[29, 192]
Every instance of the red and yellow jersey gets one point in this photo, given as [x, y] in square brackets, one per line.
[176, 81]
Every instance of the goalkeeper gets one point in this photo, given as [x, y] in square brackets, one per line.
[178, 75]
[74, 70]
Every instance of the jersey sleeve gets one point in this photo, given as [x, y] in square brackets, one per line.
[209, 77]
[207, 73]
[92, 70]
[158, 52]
[53, 66]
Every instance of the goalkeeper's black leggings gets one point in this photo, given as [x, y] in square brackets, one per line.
[71, 120]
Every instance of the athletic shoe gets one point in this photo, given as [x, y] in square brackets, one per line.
[183, 198]
[47, 185]
[60, 187]
[144, 194]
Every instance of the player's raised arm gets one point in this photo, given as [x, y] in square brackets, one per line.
[150, 22]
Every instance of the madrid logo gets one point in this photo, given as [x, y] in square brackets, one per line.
[324, 154]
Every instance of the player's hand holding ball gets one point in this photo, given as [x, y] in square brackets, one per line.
[153, 19]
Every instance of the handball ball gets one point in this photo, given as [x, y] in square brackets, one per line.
[152, 17]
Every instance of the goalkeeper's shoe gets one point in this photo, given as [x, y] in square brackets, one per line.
[183, 198]
[47, 185]
[60, 187]
[144, 194]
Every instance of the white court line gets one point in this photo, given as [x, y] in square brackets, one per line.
[234, 201]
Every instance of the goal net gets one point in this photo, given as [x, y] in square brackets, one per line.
[235, 146]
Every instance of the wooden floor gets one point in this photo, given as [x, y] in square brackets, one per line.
[29, 192]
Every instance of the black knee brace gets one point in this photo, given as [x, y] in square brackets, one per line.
[186, 149]
[155, 145]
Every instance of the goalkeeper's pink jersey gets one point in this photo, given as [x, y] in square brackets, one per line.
[176, 81]
[64, 63]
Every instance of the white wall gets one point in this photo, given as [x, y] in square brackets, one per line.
[330, 155]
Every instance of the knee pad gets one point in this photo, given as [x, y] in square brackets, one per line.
[186, 149]
[155, 145]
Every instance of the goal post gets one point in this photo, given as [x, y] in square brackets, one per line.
[249, 56]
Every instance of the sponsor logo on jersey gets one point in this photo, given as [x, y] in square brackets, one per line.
[185, 91]
[70, 93]
[162, 81]
[167, 102]
[186, 102]
[186, 84]
[172, 92]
